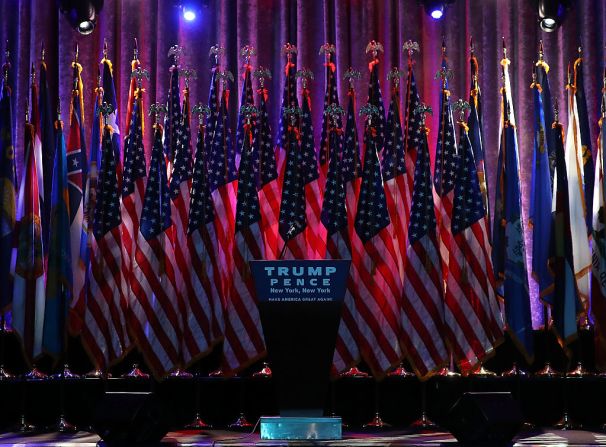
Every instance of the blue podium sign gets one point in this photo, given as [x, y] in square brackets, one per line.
[300, 281]
[300, 305]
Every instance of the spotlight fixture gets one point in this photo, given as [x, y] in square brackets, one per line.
[189, 13]
[435, 8]
[551, 13]
[190, 10]
[81, 14]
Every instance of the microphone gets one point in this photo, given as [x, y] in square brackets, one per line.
[289, 233]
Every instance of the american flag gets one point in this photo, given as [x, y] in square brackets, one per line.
[158, 326]
[347, 350]
[104, 332]
[269, 188]
[196, 325]
[379, 284]
[393, 166]
[214, 102]
[78, 303]
[374, 92]
[28, 287]
[315, 234]
[271, 217]
[476, 132]
[133, 187]
[330, 97]
[472, 315]
[172, 126]
[422, 303]
[109, 96]
[338, 246]
[445, 169]
[293, 220]
[76, 173]
[243, 333]
[413, 131]
[223, 183]
[245, 98]
[202, 242]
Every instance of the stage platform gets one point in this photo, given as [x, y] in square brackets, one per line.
[218, 438]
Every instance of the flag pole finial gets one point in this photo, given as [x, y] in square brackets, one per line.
[580, 51]
[27, 110]
[445, 74]
[334, 111]
[7, 63]
[248, 111]
[217, 51]
[225, 76]
[189, 73]
[156, 109]
[32, 74]
[462, 107]
[373, 48]
[369, 110]
[105, 48]
[176, 52]
[541, 51]
[328, 49]
[351, 75]
[504, 48]
[247, 51]
[443, 47]
[59, 109]
[42, 52]
[472, 47]
[305, 75]
[202, 110]
[289, 49]
[534, 74]
[262, 73]
[394, 76]
[139, 74]
[423, 110]
[76, 53]
[556, 109]
[409, 48]
[106, 109]
[136, 50]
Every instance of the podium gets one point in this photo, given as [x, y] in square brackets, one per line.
[300, 306]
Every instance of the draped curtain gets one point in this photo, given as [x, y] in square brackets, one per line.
[349, 24]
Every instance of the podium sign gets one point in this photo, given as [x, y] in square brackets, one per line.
[300, 307]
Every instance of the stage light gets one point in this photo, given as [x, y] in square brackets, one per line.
[551, 13]
[81, 14]
[437, 13]
[435, 8]
[189, 14]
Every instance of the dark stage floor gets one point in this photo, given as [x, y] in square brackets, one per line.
[216, 438]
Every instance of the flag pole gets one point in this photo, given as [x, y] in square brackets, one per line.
[4, 374]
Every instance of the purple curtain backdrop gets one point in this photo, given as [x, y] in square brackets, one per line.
[349, 24]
